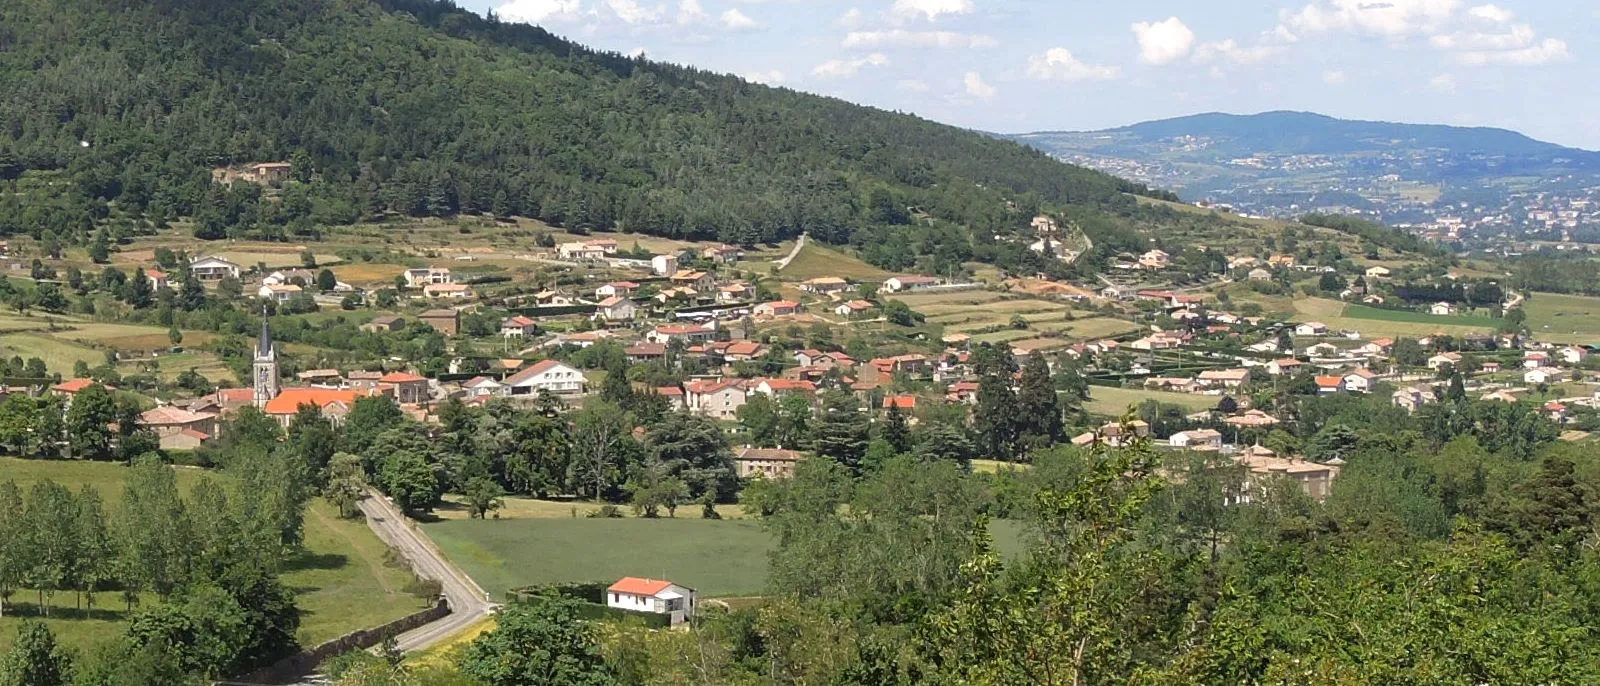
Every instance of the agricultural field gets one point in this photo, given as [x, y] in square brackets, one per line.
[1560, 318]
[817, 260]
[717, 558]
[1373, 322]
[517, 507]
[1114, 402]
[341, 580]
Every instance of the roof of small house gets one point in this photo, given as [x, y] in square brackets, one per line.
[400, 377]
[637, 586]
[778, 454]
[290, 400]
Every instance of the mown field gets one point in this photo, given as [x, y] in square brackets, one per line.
[341, 580]
[716, 558]
[1114, 402]
[1564, 318]
[1374, 322]
[970, 311]
[63, 341]
[817, 260]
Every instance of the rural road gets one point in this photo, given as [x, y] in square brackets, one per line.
[468, 602]
[798, 244]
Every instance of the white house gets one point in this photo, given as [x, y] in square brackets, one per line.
[664, 265]
[1573, 354]
[425, 276]
[1310, 329]
[1443, 359]
[1378, 272]
[1543, 376]
[547, 375]
[1259, 274]
[212, 268]
[1155, 259]
[279, 293]
[616, 288]
[482, 387]
[1226, 378]
[1197, 439]
[1360, 380]
[898, 284]
[616, 309]
[158, 279]
[1442, 309]
[580, 251]
[447, 290]
[518, 327]
[852, 308]
[1287, 365]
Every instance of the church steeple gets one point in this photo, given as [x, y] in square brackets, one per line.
[265, 367]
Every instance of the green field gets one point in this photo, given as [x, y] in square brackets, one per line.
[1375, 322]
[1380, 314]
[1114, 402]
[817, 261]
[341, 580]
[60, 356]
[1564, 318]
[717, 558]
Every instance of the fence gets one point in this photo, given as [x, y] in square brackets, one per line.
[293, 667]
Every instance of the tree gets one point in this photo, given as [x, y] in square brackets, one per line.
[35, 659]
[15, 550]
[347, 483]
[841, 431]
[369, 417]
[1334, 441]
[313, 440]
[599, 438]
[91, 412]
[483, 496]
[995, 420]
[899, 313]
[19, 423]
[100, 249]
[894, 431]
[540, 642]
[192, 293]
[1038, 410]
[174, 335]
[326, 281]
[410, 480]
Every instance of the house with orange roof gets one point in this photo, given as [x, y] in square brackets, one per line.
[158, 279]
[655, 596]
[673, 394]
[518, 327]
[716, 398]
[740, 351]
[177, 428]
[405, 387]
[904, 403]
[825, 285]
[616, 308]
[1328, 385]
[777, 308]
[616, 289]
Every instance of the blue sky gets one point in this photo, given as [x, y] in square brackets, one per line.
[1027, 65]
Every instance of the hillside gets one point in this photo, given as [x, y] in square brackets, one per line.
[1284, 163]
[414, 107]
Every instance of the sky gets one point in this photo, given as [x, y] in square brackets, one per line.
[1015, 66]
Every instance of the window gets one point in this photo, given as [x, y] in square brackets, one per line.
[614, 598]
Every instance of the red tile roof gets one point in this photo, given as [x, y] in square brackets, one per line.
[290, 400]
[636, 586]
[400, 377]
[72, 385]
[904, 402]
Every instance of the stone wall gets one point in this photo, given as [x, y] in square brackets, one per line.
[292, 668]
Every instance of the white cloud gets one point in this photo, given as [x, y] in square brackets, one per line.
[1163, 41]
[1059, 64]
[911, 85]
[975, 86]
[535, 11]
[851, 19]
[734, 20]
[1334, 77]
[1492, 13]
[929, 9]
[1230, 51]
[840, 69]
[1443, 83]
[690, 12]
[1384, 18]
[631, 12]
[1548, 50]
[1520, 36]
[900, 38]
[636, 53]
[771, 78]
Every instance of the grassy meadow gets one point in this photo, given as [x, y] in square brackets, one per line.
[817, 260]
[1374, 322]
[341, 581]
[1564, 318]
[1114, 402]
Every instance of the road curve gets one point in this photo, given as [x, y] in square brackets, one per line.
[468, 602]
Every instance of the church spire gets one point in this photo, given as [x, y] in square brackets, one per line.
[264, 346]
[266, 366]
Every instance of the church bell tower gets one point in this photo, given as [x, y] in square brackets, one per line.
[265, 367]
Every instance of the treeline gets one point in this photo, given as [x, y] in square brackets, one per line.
[210, 557]
[429, 110]
[1373, 233]
[1550, 273]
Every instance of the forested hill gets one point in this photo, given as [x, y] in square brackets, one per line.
[416, 107]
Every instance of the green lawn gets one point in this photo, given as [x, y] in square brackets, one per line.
[1375, 322]
[1564, 318]
[716, 558]
[1380, 314]
[58, 355]
[816, 261]
[341, 580]
[1114, 402]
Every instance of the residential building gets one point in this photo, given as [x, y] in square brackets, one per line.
[898, 284]
[777, 308]
[447, 290]
[447, 322]
[547, 375]
[1543, 375]
[384, 323]
[616, 309]
[1360, 380]
[1442, 309]
[653, 596]
[1328, 385]
[853, 308]
[724, 254]
[1155, 260]
[158, 279]
[335, 404]
[700, 282]
[1197, 439]
[688, 333]
[1534, 359]
[645, 352]
[428, 276]
[735, 292]
[278, 294]
[298, 277]
[1287, 365]
[664, 265]
[178, 428]
[674, 396]
[770, 463]
[1378, 272]
[1310, 329]
[212, 268]
[780, 387]
[741, 351]
[825, 285]
[518, 327]
[580, 251]
[1116, 292]
[1316, 480]
[1225, 378]
[1411, 398]
[616, 288]
[406, 388]
[484, 387]
[718, 399]
[1573, 354]
[1442, 359]
[1251, 418]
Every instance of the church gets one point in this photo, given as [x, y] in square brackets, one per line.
[282, 403]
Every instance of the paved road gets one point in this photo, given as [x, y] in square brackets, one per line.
[468, 602]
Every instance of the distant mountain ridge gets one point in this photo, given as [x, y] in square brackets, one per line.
[1309, 133]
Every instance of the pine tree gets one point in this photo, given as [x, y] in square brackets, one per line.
[842, 430]
[995, 418]
[894, 430]
[1038, 405]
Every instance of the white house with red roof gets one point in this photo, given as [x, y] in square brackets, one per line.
[518, 327]
[616, 288]
[158, 279]
[655, 596]
[547, 375]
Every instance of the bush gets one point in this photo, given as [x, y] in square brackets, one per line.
[605, 512]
